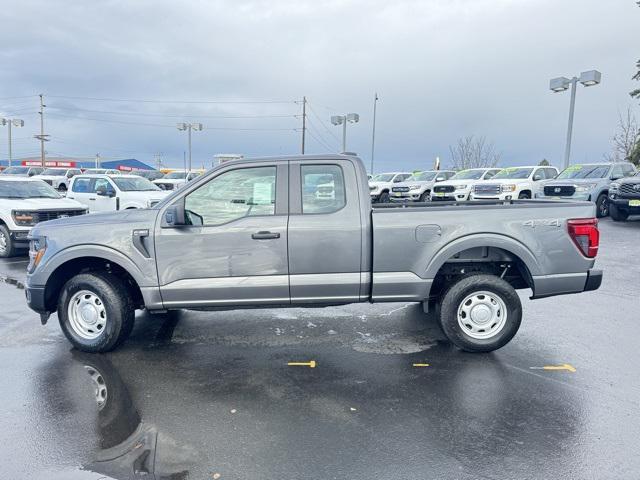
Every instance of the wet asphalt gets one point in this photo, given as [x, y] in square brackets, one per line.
[208, 395]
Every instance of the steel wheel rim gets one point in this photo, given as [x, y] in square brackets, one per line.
[482, 315]
[3, 242]
[87, 314]
[99, 386]
[604, 207]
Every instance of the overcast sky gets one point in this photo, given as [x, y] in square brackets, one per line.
[442, 68]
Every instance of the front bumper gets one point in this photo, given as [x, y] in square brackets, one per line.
[500, 196]
[623, 203]
[35, 299]
[576, 196]
[450, 197]
[404, 197]
[20, 238]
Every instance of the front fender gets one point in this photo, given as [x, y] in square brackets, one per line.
[503, 242]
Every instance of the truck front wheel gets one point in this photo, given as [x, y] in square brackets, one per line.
[95, 312]
[480, 313]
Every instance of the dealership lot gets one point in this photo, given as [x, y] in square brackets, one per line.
[195, 394]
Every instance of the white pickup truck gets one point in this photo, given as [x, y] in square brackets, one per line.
[514, 183]
[58, 178]
[24, 202]
[105, 193]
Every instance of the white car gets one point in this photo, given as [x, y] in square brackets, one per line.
[22, 171]
[23, 203]
[103, 193]
[174, 180]
[514, 182]
[58, 178]
[417, 188]
[380, 185]
[458, 188]
[106, 171]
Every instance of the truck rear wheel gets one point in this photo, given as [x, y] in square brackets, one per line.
[602, 205]
[480, 313]
[617, 214]
[95, 312]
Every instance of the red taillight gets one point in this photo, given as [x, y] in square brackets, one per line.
[585, 234]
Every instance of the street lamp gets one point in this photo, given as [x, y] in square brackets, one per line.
[188, 127]
[343, 120]
[16, 122]
[560, 84]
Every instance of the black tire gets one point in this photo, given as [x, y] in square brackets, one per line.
[459, 292]
[524, 196]
[426, 196]
[62, 187]
[7, 247]
[384, 197]
[116, 302]
[617, 214]
[602, 205]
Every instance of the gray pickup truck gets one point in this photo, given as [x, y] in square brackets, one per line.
[256, 233]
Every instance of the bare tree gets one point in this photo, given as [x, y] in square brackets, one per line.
[625, 142]
[472, 152]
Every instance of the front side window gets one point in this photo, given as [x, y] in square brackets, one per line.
[322, 188]
[232, 195]
[103, 184]
[81, 185]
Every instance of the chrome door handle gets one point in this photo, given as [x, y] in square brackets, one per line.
[265, 235]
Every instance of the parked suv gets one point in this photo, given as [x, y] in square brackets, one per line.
[58, 178]
[23, 203]
[103, 193]
[417, 188]
[513, 182]
[380, 185]
[175, 180]
[624, 198]
[22, 171]
[458, 188]
[587, 182]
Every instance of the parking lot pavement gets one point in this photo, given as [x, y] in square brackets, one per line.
[195, 394]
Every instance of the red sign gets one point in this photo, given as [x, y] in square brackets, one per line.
[124, 168]
[49, 163]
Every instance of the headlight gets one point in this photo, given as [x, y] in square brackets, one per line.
[37, 249]
[508, 188]
[461, 187]
[414, 187]
[585, 187]
[613, 187]
[24, 219]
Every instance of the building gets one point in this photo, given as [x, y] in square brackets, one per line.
[124, 165]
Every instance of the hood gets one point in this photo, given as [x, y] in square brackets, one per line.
[101, 220]
[170, 180]
[459, 182]
[147, 195]
[49, 177]
[631, 180]
[42, 203]
[420, 183]
[573, 181]
[502, 181]
[379, 184]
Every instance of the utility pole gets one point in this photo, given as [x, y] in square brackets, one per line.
[42, 137]
[304, 121]
[11, 122]
[373, 132]
[572, 106]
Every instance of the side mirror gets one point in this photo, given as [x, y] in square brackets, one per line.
[174, 215]
[615, 177]
[537, 177]
[440, 179]
[101, 191]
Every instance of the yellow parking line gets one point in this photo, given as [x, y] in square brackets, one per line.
[421, 365]
[564, 366]
[311, 364]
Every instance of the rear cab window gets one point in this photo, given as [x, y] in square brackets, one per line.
[323, 189]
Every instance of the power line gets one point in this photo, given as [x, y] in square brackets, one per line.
[22, 96]
[317, 132]
[137, 100]
[144, 114]
[324, 125]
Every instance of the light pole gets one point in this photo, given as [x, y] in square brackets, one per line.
[16, 122]
[343, 120]
[188, 127]
[560, 84]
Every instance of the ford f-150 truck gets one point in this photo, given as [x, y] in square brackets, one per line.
[254, 233]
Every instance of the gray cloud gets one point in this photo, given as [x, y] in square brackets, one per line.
[443, 69]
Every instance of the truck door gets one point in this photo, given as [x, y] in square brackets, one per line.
[325, 241]
[234, 252]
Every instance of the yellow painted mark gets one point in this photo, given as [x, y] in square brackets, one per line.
[564, 366]
[420, 364]
[311, 364]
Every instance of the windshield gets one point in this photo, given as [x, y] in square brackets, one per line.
[382, 177]
[584, 171]
[468, 175]
[26, 189]
[134, 184]
[54, 171]
[513, 172]
[149, 174]
[16, 171]
[422, 177]
[176, 175]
